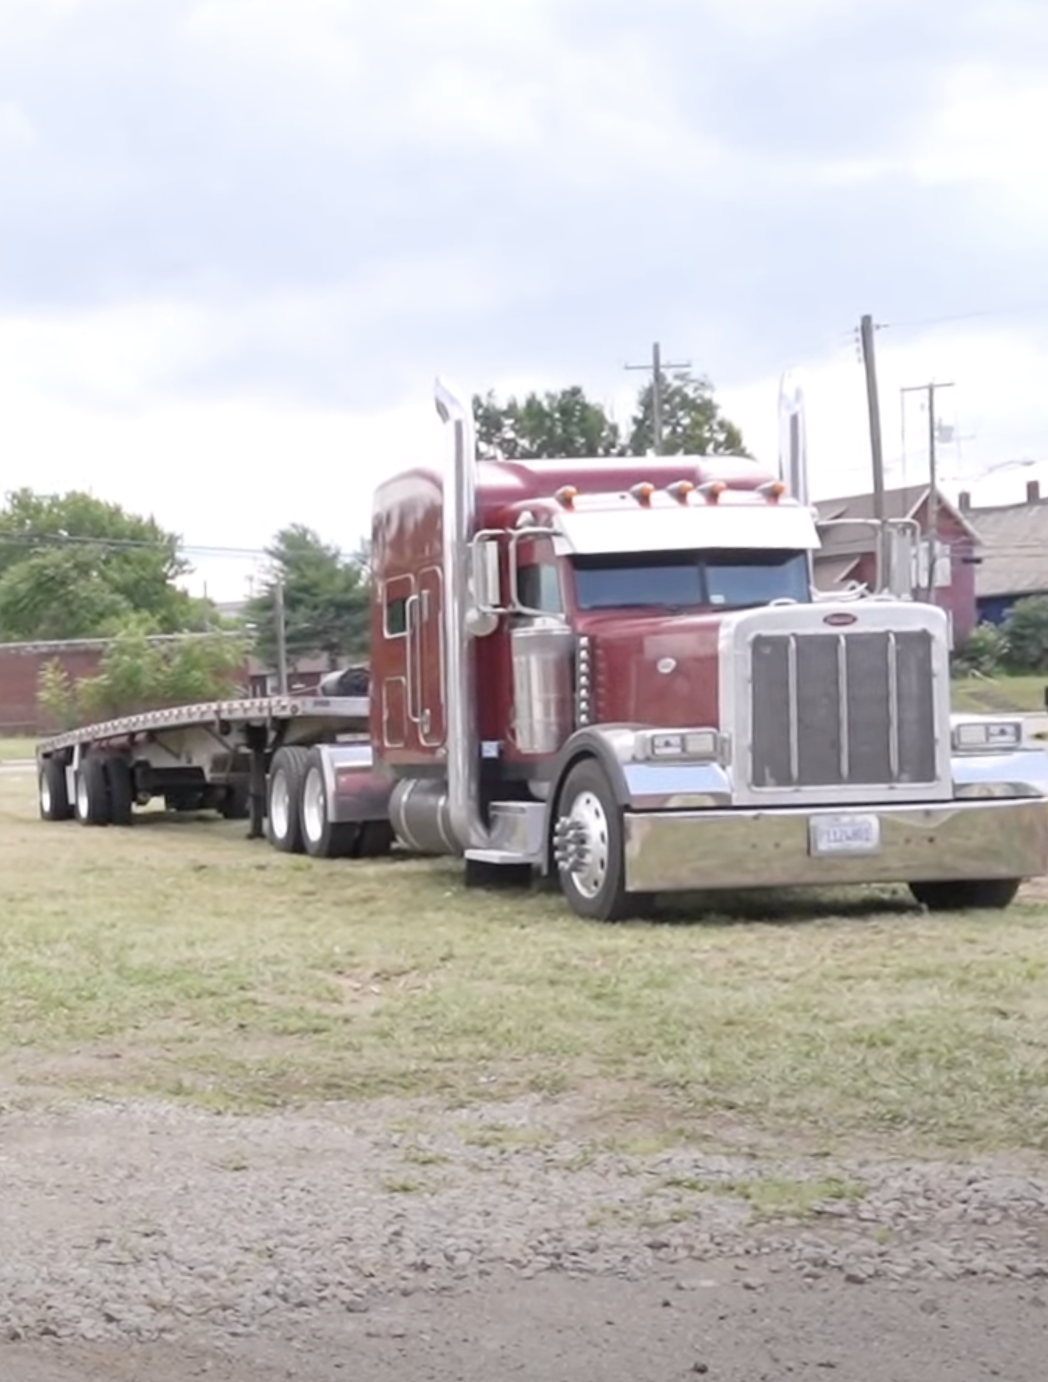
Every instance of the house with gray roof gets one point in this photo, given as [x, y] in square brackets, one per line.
[848, 554]
[1014, 552]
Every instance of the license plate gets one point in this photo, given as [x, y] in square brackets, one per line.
[845, 834]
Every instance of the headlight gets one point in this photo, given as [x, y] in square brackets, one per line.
[703, 745]
[973, 736]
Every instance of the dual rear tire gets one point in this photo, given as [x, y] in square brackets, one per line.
[299, 812]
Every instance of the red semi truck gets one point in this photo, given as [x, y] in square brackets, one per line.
[614, 674]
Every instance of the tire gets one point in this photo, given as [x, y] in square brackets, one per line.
[236, 802]
[284, 799]
[92, 791]
[376, 840]
[595, 884]
[963, 894]
[323, 838]
[54, 794]
[120, 788]
[481, 874]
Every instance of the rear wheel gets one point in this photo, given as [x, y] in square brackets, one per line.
[92, 791]
[587, 845]
[120, 788]
[285, 799]
[323, 837]
[962, 894]
[54, 795]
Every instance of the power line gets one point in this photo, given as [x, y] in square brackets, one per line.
[963, 316]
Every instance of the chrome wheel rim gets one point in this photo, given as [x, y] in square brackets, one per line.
[589, 875]
[81, 796]
[280, 806]
[45, 794]
[314, 806]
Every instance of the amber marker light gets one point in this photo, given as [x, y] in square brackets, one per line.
[773, 491]
[643, 492]
[680, 489]
[712, 490]
[566, 495]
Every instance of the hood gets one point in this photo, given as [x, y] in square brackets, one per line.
[658, 669]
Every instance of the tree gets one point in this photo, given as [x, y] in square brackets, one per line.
[326, 599]
[73, 566]
[1026, 634]
[139, 672]
[692, 422]
[564, 423]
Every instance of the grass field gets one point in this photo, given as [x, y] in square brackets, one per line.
[16, 749]
[179, 960]
[986, 696]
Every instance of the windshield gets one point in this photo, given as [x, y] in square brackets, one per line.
[674, 580]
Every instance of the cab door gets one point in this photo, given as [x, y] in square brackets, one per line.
[429, 661]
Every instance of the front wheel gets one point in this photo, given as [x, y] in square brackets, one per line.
[962, 894]
[587, 845]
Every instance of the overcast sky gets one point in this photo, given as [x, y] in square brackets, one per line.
[239, 238]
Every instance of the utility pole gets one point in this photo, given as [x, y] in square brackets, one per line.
[281, 631]
[866, 329]
[656, 367]
[933, 482]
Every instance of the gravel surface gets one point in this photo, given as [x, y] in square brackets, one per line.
[141, 1222]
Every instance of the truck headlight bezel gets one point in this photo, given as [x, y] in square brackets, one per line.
[987, 735]
[700, 745]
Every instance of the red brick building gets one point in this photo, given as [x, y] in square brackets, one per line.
[848, 552]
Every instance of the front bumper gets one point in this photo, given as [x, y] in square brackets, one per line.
[679, 851]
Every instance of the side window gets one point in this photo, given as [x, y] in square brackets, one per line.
[395, 606]
[538, 586]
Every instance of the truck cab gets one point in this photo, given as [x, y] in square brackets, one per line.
[616, 672]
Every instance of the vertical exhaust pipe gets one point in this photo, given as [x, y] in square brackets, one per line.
[460, 686]
[793, 438]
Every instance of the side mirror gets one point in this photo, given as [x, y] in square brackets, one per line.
[486, 587]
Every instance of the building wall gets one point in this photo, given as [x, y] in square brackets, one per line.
[994, 609]
[20, 668]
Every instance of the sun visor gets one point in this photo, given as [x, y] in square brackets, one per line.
[774, 527]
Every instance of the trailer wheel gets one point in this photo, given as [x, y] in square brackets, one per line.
[587, 845]
[120, 788]
[236, 802]
[54, 795]
[323, 837]
[92, 791]
[962, 894]
[285, 799]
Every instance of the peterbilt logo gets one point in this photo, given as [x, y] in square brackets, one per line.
[839, 620]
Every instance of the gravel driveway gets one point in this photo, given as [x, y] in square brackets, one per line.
[397, 1241]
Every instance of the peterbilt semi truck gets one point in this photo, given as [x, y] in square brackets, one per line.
[614, 675]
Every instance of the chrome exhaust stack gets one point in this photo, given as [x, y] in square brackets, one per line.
[460, 685]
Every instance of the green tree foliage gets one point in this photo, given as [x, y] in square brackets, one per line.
[139, 672]
[567, 423]
[984, 651]
[73, 566]
[1026, 633]
[692, 422]
[564, 423]
[326, 599]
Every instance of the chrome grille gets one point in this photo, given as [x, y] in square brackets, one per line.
[835, 708]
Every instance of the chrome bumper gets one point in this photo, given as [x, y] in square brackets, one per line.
[678, 851]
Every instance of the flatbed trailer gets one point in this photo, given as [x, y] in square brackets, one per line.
[284, 763]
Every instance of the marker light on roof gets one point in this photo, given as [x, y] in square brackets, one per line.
[712, 490]
[680, 490]
[566, 495]
[643, 492]
[773, 490]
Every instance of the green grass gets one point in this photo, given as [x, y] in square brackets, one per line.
[178, 960]
[17, 748]
[984, 696]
